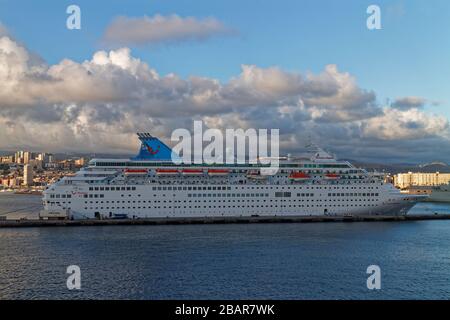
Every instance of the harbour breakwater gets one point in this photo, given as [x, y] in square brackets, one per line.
[219, 220]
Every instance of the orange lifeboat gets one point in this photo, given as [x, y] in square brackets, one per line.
[218, 172]
[135, 172]
[166, 172]
[299, 176]
[332, 176]
[192, 172]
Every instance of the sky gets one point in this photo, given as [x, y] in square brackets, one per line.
[311, 68]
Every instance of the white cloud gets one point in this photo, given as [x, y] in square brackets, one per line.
[338, 97]
[161, 29]
[97, 105]
[407, 124]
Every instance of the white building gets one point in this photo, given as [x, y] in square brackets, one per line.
[406, 180]
[27, 175]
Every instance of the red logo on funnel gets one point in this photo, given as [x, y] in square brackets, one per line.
[151, 151]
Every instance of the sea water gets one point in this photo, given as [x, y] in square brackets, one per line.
[231, 261]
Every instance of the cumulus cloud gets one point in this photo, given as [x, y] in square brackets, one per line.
[411, 102]
[98, 104]
[347, 103]
[410, 124]
[161, 29]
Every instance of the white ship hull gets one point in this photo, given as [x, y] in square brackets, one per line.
[143, 202]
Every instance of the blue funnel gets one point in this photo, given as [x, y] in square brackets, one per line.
[154, 149]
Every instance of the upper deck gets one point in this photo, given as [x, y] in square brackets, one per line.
[154, 153]
[122, 163]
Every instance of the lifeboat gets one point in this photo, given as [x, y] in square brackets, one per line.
[332, 176]
[299, 176]
[192, 172]
[218, 172]
[166, 172]
[255, 174]
[135, 172]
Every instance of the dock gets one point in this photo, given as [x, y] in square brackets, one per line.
[218, 220]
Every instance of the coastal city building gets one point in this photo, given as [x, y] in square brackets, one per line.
[7, 159]
[27, 156]
[18, 157]
[411, 179]
[80, 162]
[27, 171]
[28, 175]
[9, 182]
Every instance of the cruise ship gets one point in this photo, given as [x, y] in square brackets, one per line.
[151, 185]
[439, 193]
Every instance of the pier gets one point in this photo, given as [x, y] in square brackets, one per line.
[219, 220]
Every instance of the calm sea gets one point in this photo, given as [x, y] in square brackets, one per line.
[265, 261]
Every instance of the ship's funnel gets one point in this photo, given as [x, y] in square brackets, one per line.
[154, 149]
